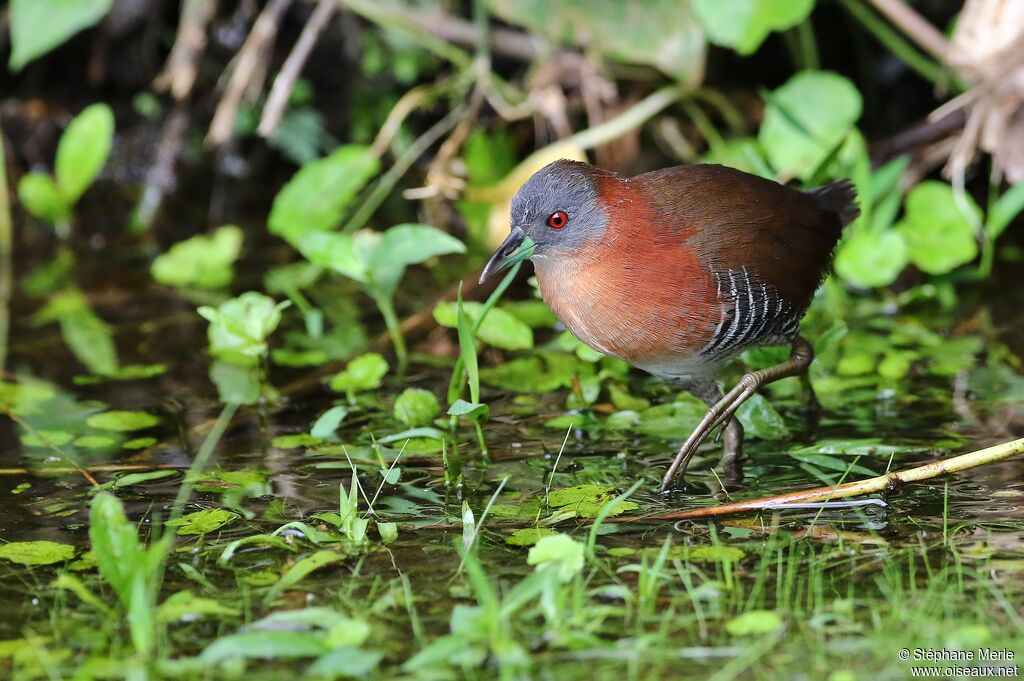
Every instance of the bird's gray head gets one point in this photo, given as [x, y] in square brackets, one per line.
[554, 215]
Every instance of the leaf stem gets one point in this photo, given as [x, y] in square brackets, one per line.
[6, 258]
[387, 310]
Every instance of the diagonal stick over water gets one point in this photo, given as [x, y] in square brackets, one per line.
[881, 483]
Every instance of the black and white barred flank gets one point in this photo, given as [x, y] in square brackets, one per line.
[758, 316]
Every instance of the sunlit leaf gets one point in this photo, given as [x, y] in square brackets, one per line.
[939, 236]
[202, 522]
[83, 150]
[202, 261]
[122, 421]
[38, 26]
[40, 196]
[416, 407]
[559, 552]
[744, 24]
[36, 552]
[499, 328]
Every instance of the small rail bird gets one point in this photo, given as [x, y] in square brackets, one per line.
[676, 271]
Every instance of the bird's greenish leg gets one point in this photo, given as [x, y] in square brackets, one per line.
[800, 357]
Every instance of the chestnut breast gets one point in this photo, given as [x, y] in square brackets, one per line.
[639, 293]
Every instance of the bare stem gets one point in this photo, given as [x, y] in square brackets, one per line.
[6, 258]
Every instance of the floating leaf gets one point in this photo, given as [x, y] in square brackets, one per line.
[300, 570]
[328, 423]
[202, 522]
[122, 421]
[264, 645]
[36, 552]
[295, 441]
[528, 536]
[185, 606]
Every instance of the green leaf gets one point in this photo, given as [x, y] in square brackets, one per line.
[115, 543]
[754, 623]
[122, 421]
[328, 423]
[36, 552]
[346, 662]
[806, 119]
[202, 522]
[467, 350]
[264, 645]
[500, 328]
[202, 261]
[129, 479]
[1006, 208]
[661, 33]
[744, 24]
[474, 410]
[83, 150]
[528, 536]
[939, 237]
[416, 407]
[38, 26]
[185, 606]
[871, 259]
[403, 245]
[760, 419]
[316, 197]
[300, 570]
[365, 372]
[559, 552]
[295, 441]
[239, 327]
[830, 462]
[586, 501]
[346, 254]
[41, 197]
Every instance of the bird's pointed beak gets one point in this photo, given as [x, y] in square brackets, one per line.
[516, 248]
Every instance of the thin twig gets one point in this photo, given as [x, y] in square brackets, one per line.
[49, 445]
[277, 101]
[246, 65]
[179, 74]
[887, 482]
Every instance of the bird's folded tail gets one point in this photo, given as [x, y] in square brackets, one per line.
[838, 198]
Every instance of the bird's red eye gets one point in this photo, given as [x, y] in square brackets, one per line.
[558, 219]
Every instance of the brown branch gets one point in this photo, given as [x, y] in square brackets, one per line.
[289, 73]
[179, 74]
[916, 27]
[247, 64]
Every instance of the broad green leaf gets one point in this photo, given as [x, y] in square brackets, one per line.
[40, 196]
[202, 261]
[559, 552]
[264, 645]
[528, 536]
[500, 328]
[403, 245]
[871, 259]
[416, 407]
[300, 570]
[344, 253]
[661, 33]
[586, 500]
[365, 372]
[38, 26]
[831, 462]
[83, 150]
[806, 119]
[185, 606]
[328, 423]
[202, 522]
[115, 543]
[295, 441]
[474, 410]
[317, 196]
[122, 421]
[129, 479]
[939, 237]
[754, 623]
[744, 24]
[36, 552]
[346, 662]
[239, 327]
[759, 419]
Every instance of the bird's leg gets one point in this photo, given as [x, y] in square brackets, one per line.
[799, 359]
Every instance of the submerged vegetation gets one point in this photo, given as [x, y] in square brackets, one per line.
[259, 419]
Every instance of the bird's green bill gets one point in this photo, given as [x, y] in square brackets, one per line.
[516, 248]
